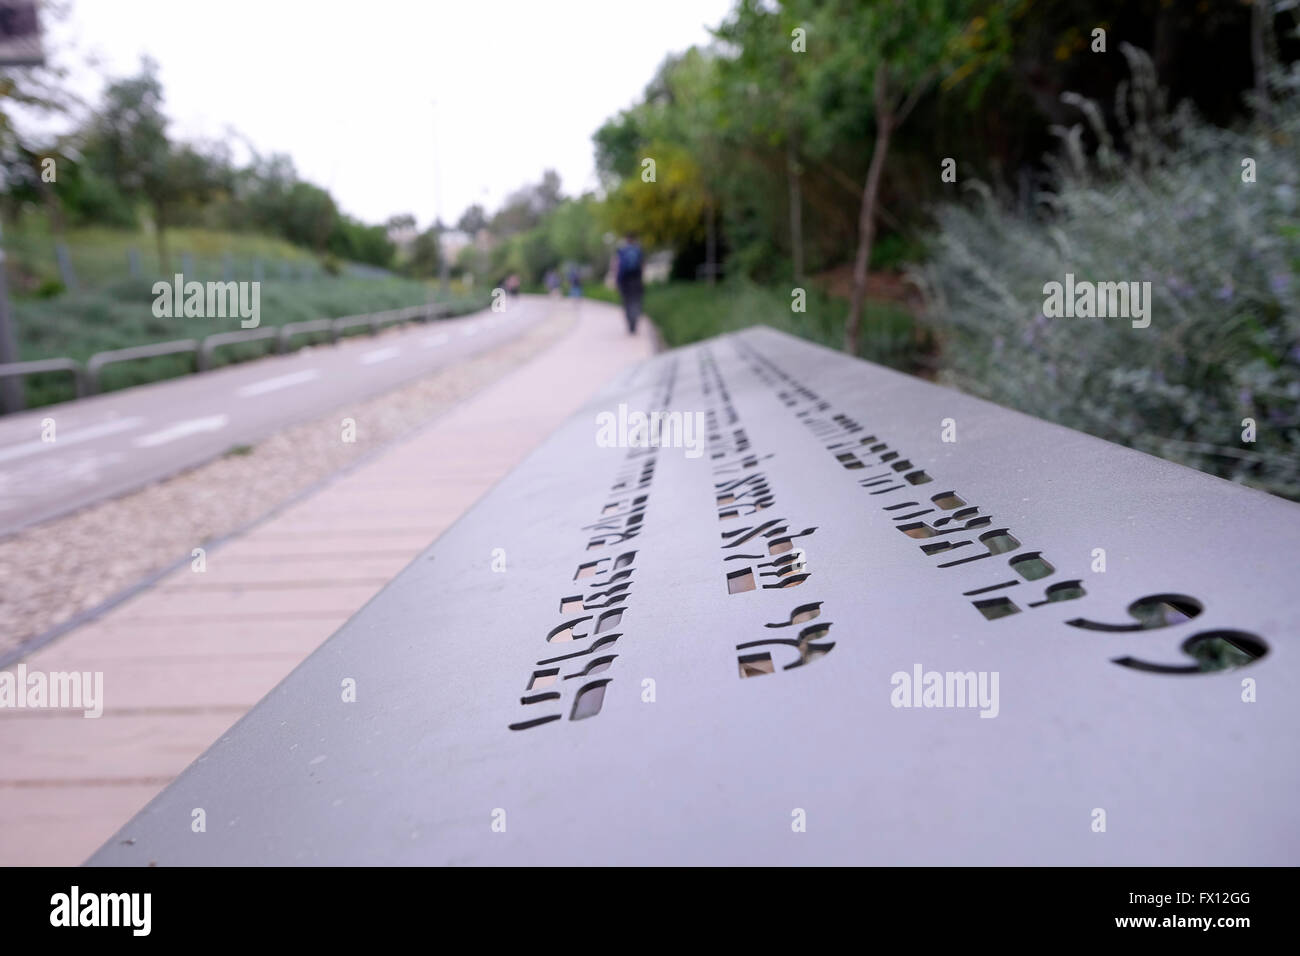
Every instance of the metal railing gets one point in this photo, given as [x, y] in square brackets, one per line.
[213, 342]
[97, 361]
[87, 381]
[295, 328]
[22, 369]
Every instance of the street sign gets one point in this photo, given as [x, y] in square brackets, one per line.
[813, 611]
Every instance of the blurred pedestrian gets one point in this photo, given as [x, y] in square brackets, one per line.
[629, 266]
[552, 281]
[575, 283]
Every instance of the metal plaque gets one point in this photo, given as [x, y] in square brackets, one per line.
[763, 603]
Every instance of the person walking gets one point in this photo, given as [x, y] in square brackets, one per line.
[629, 263]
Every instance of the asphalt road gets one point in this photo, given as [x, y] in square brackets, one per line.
[111, 444]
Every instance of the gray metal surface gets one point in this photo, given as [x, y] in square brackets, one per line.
[626, 566]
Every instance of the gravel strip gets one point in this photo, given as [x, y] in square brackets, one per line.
[54, 571]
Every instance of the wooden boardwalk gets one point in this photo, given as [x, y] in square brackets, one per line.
[185, 659]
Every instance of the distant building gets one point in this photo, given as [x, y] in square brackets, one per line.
[403, 237]
[658, 266]
[453, 241]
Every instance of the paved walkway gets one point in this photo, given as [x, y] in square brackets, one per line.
[185, 659]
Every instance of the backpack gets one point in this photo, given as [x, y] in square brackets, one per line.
[629, 262]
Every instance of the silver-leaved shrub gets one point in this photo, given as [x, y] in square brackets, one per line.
[1170, 205]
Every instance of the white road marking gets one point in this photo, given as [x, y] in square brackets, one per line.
[380, 355]
[69, 438]
[180, 430]
[277, 383]
[434, 341]
[31, 481]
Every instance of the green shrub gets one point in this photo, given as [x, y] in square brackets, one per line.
[686, 312]
[894, 251]
[48, 289]
[120, 315]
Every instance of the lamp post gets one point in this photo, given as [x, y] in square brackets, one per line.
[437, 208]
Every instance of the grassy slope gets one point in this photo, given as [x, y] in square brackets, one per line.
[110, 310]
[100, 256]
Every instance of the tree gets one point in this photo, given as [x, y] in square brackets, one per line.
[575, 232]
[129, 142]
[618, 142]
[350, 239]
[674, 209]
[547, 194]
[426, 256]
[524, 208]
[309, 216]
[897, 50]
[262, 189]
[472, 220]
[764, 86]
[32, 91]
[677, 129]
[402, 222]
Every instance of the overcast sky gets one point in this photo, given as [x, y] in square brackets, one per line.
[347, 88]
